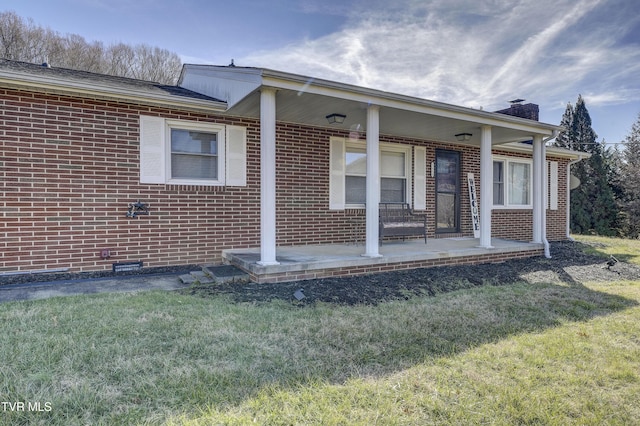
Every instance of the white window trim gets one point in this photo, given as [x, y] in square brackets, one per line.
[505, 161]
[155, 152]
[405, 149]
[201, 127]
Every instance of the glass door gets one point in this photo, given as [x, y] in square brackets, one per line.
[447, 191]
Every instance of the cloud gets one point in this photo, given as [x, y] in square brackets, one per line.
[480, 53]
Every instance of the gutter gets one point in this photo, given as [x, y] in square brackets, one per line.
[547, 251]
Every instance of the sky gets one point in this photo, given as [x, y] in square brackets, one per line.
[474, 53]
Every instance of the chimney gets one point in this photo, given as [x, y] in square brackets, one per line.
[517, 109]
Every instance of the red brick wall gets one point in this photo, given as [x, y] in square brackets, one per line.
[517, 224]
[70, 167]
[557, 219]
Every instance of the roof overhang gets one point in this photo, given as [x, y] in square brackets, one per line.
[91, 89]
[307, 100]
[552, 151]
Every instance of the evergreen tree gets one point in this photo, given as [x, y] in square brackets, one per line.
[565, 138]
[593, 205]
[630, 181]
[613, 156]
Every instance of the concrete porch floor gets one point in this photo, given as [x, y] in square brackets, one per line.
[330, 260]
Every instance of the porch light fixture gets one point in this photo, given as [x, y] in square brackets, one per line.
[463, 136]
[336, 118]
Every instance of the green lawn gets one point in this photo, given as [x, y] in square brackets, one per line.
[625, 250]
[521, 354]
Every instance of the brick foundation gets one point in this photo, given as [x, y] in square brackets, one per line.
[392, 266]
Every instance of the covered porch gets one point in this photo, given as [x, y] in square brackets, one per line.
[295, 263]
[368, 116]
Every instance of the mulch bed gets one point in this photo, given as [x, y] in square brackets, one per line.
[569, 264]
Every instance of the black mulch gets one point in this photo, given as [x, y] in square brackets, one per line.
[569, 264]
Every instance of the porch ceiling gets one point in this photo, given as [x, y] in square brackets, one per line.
[311, 109]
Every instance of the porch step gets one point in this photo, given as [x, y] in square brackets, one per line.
[216, 274]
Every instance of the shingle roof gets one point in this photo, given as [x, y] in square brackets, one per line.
[102, 80]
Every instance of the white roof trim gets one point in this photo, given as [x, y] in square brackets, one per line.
[553, 151]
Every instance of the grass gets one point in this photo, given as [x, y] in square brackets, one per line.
[623, 249]
[521, 354]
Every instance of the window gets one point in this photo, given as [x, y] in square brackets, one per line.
[512, 183]
[393, 174]
[348, 174]
[498, 183]
[355, 175]
[191, 152]
[194, 155]
[195, 152]
[519, 183]
[393, 177]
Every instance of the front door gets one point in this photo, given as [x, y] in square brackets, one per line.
[447, 191]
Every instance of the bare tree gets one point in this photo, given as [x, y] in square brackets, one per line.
[12, 29]
[119, 60]
[22, 40]
[37, 43]
[156, 64]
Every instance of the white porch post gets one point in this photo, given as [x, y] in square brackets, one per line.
[545, 197]
[373, 181]
[538, 188]
[268, 177]
[486, 187]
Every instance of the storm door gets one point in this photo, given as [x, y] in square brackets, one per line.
[447, 191]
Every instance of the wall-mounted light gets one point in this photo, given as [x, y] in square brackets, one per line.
[336, 118]
[463, 136]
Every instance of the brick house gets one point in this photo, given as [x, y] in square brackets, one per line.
[242, 165]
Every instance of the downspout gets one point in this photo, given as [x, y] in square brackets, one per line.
[568, 221]
[545, 242]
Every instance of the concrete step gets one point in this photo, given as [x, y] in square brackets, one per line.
[202, 277]
[226, 274]
[187, 279]
[216, 274]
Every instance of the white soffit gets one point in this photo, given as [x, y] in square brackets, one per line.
[236, 84]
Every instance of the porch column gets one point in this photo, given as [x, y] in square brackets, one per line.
[486, 187]
[545, 197]
[373, 181]
[538, 188]
[267, 177]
